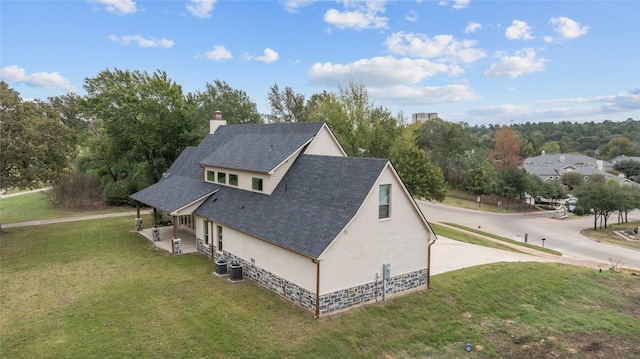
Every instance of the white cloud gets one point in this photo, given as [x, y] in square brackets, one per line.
[519, 30]
[520, 63]
[472, 27]
[142, 42]
[441, 47]
[568, 28]
[408, 95]
[457, 4]
[622, 102]
[268, 57]
[411, 16]
[376, 72]
[363, 15]
[218, 53]
[118, 7]
[15, 74]
[201, 8]
[460, 4]
[294, 5]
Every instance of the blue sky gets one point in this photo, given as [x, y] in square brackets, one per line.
[481, 62]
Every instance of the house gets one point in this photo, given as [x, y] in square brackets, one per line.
[550, 166]
[323, 230]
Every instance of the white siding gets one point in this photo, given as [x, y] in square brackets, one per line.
[244, 178]
[359, 252]
[324, 143]
[279, 261]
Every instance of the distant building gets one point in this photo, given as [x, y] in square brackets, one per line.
[423, 116]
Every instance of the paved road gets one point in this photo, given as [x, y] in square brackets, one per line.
[561, 235]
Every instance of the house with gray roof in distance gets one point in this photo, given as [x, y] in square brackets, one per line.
[284, 206]
[551, 166]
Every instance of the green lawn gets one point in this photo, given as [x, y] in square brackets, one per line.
[608, 235]
[35, 206]
[94, 289]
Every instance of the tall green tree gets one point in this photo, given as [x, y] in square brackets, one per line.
[286, 106]
[145, 127]
[619, 146]
[602, 197]
[630, 168]
[446, 143]
[236, 106]
[67, 108]
[572, 179]
[422, 178]
[35, 146]
[362, 128]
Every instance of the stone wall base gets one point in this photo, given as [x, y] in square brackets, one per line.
[332, 302]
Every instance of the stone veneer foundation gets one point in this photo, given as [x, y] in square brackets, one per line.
[331, 302]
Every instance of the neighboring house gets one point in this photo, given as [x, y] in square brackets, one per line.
[551, 167]
[624, 158]
[321, 229]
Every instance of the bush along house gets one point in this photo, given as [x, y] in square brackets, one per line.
[285, 205]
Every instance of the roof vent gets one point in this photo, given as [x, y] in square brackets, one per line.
[562, 159]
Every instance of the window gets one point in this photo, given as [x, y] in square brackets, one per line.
[211, 176]
[219, 229]
[256, 184]
[222, 177]
[206, 232]
[384, 201]
[233, 179]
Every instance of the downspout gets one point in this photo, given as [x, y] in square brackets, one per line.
[213, 249]
[317, 314]
[429, 264]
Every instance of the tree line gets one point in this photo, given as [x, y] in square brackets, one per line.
[131, 125]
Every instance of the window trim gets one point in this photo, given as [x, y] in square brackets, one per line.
[210, 178]
[235, 176]
[206, 232]
[384, 205]
[219, 231]
[257, 184]
[223, 176]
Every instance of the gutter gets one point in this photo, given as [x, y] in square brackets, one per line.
[317, 312]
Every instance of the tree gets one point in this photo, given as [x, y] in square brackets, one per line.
[602, 197]
[422, 178]
[145, 127]
[551, 147]
[67, 108]
[362, 129]
[235, 105]
[36, 146]
[572, 179]
[482, 171]
[286, 106]
[619, 146]
[630, 168]
[446, 144]
[506, 152]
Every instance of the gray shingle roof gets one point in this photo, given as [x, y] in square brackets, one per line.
[251, 147]
[314, 201]
[258, 148]
[174, 192]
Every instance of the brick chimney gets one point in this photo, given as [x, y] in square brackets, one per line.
[216, 122]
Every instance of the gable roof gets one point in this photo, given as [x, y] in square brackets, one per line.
[314, 201]
[258, 148]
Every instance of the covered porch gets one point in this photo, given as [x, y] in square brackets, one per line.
[187, 239]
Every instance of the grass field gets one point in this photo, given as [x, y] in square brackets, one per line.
[608, 235]
[35, 206]
[94, 289]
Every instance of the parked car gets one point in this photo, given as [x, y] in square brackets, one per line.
[541, 200]
[571, 199]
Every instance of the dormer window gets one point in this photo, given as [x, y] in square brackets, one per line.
[256, 184]
[211, 176]
[222, 177]
[233, 179]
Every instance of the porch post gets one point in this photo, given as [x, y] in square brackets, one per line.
[155, 231]
[176, 243]
[138, 218]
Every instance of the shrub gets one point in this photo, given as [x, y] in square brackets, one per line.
[77, 191]
[579, 211]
